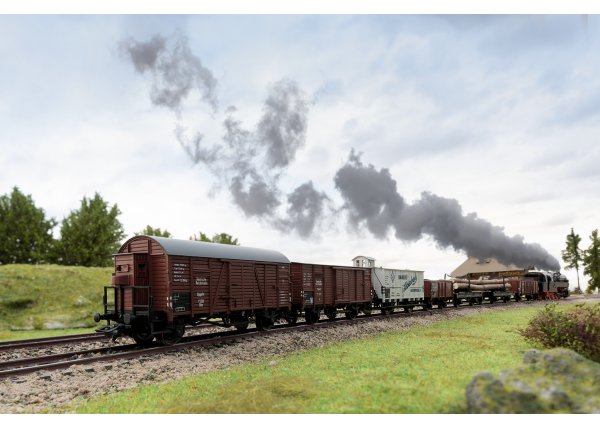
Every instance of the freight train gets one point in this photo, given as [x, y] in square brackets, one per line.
[160, 286]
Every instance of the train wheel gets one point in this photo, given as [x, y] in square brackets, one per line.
[311, 316]
[241, 326]
[264, 323]
[471, 302]
[455, 302]
[351, 313]
[142, 335]
[331, 314]
[173, 336]
[408, 309]
[292, 318]
[480, 301]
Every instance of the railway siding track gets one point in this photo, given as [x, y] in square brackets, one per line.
[44, 342]
[47, 342]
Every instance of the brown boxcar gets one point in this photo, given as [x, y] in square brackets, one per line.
[438, 292]
[162, 284]
[330, 289]
[523, 288]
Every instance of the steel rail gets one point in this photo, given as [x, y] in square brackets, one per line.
[124, 352]
[43, 342]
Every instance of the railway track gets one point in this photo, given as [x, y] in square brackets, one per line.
[57, 361]
[119, 352]
[46, 342]
[17, 367]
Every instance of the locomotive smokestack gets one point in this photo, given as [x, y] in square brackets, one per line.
[371, 198]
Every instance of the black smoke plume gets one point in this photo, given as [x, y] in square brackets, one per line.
[176, 72]
[371, 198]
[249, 163]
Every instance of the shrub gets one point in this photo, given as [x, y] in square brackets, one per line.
[18, 303]
[577, 329]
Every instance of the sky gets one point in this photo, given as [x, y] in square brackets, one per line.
[321, 136]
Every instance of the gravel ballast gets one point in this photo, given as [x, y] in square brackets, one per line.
[38, 392]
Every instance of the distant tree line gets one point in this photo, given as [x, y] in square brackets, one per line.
[89, 235]
[588, 259]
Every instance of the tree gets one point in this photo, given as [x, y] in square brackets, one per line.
[25, 233]
[90, 235]
[224, 238]
[202, 237]
[150, 231]
[219, 238]
[572, 255]
[591, 261]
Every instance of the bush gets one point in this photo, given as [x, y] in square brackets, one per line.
[577, 329]
[17, 303]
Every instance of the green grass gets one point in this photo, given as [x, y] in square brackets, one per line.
[37, 297]
[422, 370]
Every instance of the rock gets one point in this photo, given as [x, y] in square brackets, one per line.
[554, 381]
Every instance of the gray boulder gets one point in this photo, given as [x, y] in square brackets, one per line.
[554, 381]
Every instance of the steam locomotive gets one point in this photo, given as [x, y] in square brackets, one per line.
[162, 285]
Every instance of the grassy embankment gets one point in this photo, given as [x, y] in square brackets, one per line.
[422, 370]
[34, 298]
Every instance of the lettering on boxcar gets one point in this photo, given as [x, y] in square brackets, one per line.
[201, 278]
[410, 282]
[181, 273]
[307, 279]
[200, 299]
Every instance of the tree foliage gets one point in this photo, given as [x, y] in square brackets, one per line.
[572, 255]
[218, 238]
[25, 233]
[224, 238]
[591, 260]
[200, 237]
[91, 234]
[150, 231]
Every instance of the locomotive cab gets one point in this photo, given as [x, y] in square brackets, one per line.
[550, 285]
